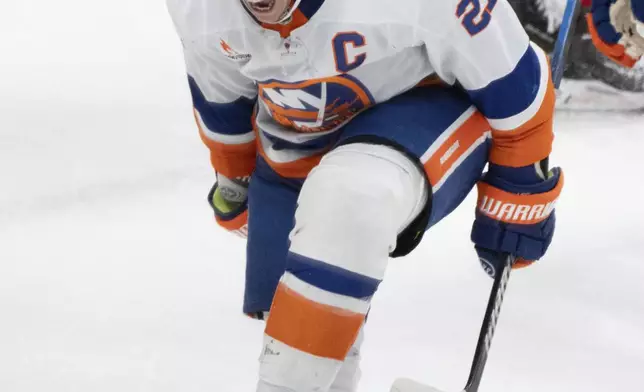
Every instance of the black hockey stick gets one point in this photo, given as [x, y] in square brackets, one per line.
[489, 325]
[485, 336]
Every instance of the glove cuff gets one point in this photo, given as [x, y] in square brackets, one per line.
[224, 210]
[232, 217]
[237, 225]
[519, 208]
[525, 175]
[233, 191]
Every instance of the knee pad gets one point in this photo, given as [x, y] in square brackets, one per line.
[354, 204]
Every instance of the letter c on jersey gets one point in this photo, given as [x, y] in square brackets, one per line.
[344, 62]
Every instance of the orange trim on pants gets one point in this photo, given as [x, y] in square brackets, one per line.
[297, 169]
[455, 146]
[318, 329]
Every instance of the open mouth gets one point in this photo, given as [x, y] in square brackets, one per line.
[261, 6]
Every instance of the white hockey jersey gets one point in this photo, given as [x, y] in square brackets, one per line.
[281, 90]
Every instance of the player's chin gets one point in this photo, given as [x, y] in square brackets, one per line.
[268, 11]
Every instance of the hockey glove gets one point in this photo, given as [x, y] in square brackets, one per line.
[515, 214]
[228, 199]
[613, 27]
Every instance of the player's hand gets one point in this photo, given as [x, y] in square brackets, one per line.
[515, 219]
[613, 26]
[228, 199]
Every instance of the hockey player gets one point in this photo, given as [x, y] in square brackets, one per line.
[336, 147]
[601, 71]
[616, 29]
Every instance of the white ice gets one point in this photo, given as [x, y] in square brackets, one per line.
[114, 277]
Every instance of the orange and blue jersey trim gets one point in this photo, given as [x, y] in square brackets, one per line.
[231, 118]
[297, 167]
[519, 107]
[226, 129]
[230, 160]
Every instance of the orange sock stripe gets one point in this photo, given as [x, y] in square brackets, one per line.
[455, 146]
[321, 330]
[529, 143]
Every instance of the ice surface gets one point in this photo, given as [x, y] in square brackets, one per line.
[407, 385]
[113, 276]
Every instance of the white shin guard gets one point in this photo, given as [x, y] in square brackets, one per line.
[350, 211]
[345, 381]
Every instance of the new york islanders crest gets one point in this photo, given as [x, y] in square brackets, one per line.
[317, 105]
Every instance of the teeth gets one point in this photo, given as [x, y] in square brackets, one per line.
[261, 5]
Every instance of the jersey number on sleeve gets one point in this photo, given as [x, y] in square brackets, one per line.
[475, 19]
[346, 51]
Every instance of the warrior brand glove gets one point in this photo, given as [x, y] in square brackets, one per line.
[515, 213]
[228, 198]
[613, 26]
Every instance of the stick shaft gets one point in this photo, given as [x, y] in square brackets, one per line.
[558, 58]
[489, 325]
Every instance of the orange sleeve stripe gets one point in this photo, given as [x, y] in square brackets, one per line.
[455, 146]
[517, 209]
[321, 330]
[231, 160]
[529, 143]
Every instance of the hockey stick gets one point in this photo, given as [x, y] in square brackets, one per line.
[558, 63]
[485, 337]
[558, 58]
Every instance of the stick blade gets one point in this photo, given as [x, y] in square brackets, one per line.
[408, 385]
